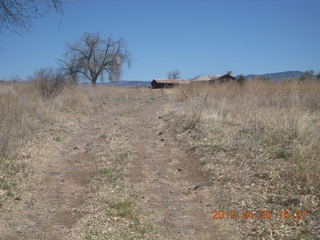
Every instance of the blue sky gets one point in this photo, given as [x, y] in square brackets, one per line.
[193, 36]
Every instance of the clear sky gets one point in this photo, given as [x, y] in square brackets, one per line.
[193, 36]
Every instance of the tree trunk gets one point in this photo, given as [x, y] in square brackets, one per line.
[94, 81]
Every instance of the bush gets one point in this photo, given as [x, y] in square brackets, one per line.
[49, 82]
[241, 79]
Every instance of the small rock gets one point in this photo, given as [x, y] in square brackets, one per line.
[207, 184]
[76, 148]
[290, 202]
[162, 140]
[31, 224]
[263, 176]
[13, 224]
[29, 202]
[88, 147]
[180, 169]
[160, 133]
[19, 230]
[177, 230]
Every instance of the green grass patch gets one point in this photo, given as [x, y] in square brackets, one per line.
[122, 157]
[105, 171]
[57, 139]
[129, 112]
[123, 209]
[282, 153]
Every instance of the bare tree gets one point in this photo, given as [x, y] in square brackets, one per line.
[93, 56]
[71, 70]
[308, 75]
[18, 14]
[175, 74]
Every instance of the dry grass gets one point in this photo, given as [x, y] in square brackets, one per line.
[32, 123]
[25, 115]
[260, 144]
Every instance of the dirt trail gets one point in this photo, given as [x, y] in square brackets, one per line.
[160, 171]
[166, 176]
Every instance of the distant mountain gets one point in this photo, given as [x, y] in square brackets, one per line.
[140, 84]
[278, 76]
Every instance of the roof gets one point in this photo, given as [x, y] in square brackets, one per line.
[203, 78]
[172, 81]
[210, 77]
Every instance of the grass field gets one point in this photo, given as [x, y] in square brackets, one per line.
[260, 143]
[257, 146]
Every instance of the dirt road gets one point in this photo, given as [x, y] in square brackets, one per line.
[159, 171]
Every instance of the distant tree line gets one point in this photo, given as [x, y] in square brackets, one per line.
[310, 75]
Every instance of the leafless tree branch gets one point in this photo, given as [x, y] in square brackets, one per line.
[17, 15]
[175, 74]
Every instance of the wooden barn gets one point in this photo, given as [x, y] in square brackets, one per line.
[167, 83]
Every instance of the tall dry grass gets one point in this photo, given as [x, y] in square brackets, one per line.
[26, 114]
[283, 118]
[260, 139]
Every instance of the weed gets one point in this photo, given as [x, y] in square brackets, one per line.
[122, 157]
[123, 209]
[281, 153]
[193, 148]
[111, 175]
[227, 179]
[129, 112]
[103, 136]
[57, 138]
[105, 171]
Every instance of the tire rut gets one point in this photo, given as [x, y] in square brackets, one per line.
[165, 175]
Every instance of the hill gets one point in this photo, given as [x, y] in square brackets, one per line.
[141, 84]
[279, 75]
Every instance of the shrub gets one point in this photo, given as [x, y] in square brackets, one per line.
[241, 79]
[49, 82]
